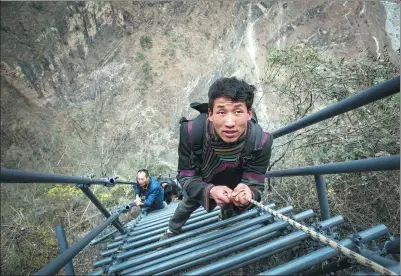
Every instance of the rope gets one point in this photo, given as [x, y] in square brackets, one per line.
[347, 252]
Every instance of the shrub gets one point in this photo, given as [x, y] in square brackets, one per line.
[146, 42]
[146, 68]
[37, 5]
[139, 56]
[63, 190]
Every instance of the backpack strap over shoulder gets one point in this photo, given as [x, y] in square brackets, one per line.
[254, 142]
[196, 129]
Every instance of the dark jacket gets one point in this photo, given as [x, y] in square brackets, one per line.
[153, 194]
[171, 187]
[221, 164]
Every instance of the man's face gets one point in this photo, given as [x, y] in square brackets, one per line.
[142, 179]
[229, 118]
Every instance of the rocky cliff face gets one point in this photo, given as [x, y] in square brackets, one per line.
[100, 86]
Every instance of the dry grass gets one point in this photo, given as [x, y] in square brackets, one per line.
[364, 199]
[28, 220]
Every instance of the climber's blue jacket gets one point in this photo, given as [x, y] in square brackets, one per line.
[153, 194]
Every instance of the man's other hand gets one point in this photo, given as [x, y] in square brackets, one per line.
[221, 194]
[138, 201]
[240, 195]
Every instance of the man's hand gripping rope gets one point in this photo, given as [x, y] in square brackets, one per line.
[224, 195]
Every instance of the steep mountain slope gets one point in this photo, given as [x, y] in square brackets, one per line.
[116, 100]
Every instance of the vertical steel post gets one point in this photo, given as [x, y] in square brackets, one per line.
[102, 209]
[63, 245]
[61, 260]
[322, 196]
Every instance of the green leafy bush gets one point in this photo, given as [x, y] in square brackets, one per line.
[146, 42]
[37, 5]
[62, 190]
[146, 68]
[139, 56]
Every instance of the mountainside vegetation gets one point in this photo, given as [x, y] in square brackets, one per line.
[370, 131]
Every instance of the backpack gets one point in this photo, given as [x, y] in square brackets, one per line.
[253, 144]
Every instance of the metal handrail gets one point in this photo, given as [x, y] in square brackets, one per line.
[383, 163]
[61, 260]
[370, 95]
[21, 176]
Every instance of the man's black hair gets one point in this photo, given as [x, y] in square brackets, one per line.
[144, 171]
[232, 88]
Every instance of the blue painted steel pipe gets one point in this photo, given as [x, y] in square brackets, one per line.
[149, 247]
[175, 239]
[102, 209]
[125, 182]
[220, 249]
[156, 217]
[384, 163]
[136, 232]
[204, 226]
[256, 253]
[372, 94]
[141, 225]
[329, 267]
[198, 212]
[322, 196]
[198, 240]
[236, 266]
[63, 245]
[159, 213]
[155, 234]
[96, 241]
[20, 176]
[149, 240]
[393, 246]
[371, 255]
[162, 217]
[318, 256]
[165, 221]
[330, 222]
[191, 220]
[61, 260]
[177, 256]
[333, 221]
[159, 229]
